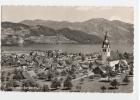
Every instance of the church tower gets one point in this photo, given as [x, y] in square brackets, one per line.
[105, 49]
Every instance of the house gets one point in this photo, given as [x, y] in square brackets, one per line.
[60, 67]
[32, 73]
[100, 70]
[113, 64]
[84, 66]
[124, 66]
[95, 64]
[119, 65]
[24, 68]
[28, 76]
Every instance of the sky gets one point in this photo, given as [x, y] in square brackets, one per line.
[66, 13]
[71, 2]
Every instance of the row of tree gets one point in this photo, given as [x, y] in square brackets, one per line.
[114, 84]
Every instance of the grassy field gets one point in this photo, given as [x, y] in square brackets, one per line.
[88, 85]
[95, 85]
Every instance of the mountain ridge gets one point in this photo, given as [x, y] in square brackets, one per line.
[12, 32]
[89, 31]
[95, 26]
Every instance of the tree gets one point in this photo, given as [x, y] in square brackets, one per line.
[8, 86]
[81, 80]
[91, 77]
[18, 76]
[45, 88]
[2, 78]
[126, 55]
[7, 78]
[78, 88]
[80, 54]
[68, 61]
[103, 88]
[8, 74]
[100, 57]
[126, 79]
[67, 83]
[50, 75]
[108, 59]
[14, 83]
[63, 73]
[42, 76]
[131, 69]
[114, 83]
[83, 58]
[109, 71]
[90, 65]
[55, 83]
[131, 72]
[29, 85]
[120, 56]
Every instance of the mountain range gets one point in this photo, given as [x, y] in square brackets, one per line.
[86, 32]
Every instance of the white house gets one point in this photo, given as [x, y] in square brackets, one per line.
[122, 63]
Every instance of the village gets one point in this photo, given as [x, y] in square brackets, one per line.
[58, 71]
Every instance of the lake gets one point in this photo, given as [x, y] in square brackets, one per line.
[83, 48]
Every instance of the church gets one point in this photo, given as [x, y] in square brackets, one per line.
[106, 54]
[106, 49]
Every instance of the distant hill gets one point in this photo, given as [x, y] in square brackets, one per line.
[79, 36]
[46, 31]
[120, 32]
[15, 33]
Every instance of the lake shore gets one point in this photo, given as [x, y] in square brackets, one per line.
[83, 48]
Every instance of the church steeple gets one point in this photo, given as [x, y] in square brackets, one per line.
[105, 48]
[106, 41]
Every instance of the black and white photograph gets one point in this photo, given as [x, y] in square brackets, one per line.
[86, 49]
